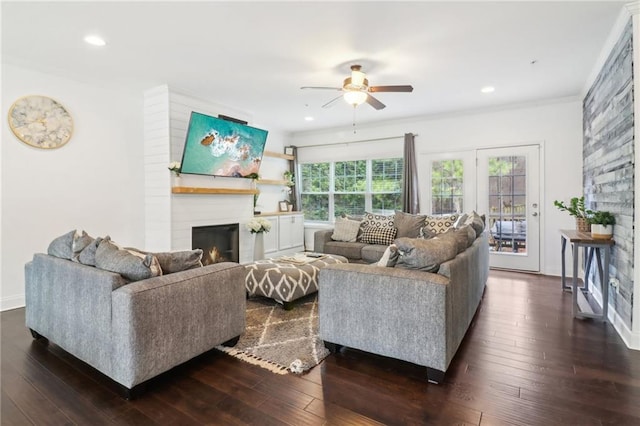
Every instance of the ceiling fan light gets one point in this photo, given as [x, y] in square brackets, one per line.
[357, 78]
[355, 98]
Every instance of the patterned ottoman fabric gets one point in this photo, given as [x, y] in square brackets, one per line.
[286, 279]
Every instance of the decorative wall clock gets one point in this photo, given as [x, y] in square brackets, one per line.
[40, 121]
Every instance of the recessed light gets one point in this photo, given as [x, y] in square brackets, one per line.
[95, 40]
[488, 89]
[308, 119]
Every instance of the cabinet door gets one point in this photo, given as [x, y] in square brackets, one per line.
[271, 237]
[291, 231]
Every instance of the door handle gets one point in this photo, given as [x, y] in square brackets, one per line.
[534, 214]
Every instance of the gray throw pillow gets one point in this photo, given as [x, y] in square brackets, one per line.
[69, 245]
[459, 223]
[408, 225]
[476, 222]
[424, 255]
[88, 255]
[389, 257]
[134, 267]
[457, 236]
[177, 261]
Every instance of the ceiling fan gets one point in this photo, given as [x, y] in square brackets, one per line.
[356, 90]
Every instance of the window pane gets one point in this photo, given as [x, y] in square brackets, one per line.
[351, 176]
[386, 203]
[386, 175]
[446, 187]
[351, 204]
[315, 206]
[315, 177]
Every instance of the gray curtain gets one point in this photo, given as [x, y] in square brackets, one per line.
[410, 202]
[293, 167]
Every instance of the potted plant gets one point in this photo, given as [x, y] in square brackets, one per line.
[577, 209]
[602, 224]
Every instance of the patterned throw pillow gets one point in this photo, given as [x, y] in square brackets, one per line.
[378, 235]
[439, 224]
[345, 230]
[378, 220]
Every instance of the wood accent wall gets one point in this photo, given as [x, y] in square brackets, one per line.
[608, 169]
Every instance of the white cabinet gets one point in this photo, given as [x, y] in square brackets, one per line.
[286, 236]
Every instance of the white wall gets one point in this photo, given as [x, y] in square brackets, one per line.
[94, 182]
[556, 126]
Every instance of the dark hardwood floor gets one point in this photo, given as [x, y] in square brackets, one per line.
[523, 361]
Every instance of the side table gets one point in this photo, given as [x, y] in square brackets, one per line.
[580, 307]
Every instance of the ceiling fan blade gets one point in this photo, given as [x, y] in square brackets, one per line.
[374, 102]
[406, 88]
[321, 88]
[330, 103]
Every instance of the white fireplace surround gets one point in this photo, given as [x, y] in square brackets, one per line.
[170, 217]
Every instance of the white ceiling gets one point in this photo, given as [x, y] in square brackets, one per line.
[254, 56]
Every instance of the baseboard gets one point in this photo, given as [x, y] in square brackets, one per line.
[631, 339]
[12, 302]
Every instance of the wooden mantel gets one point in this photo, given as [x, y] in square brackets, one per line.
[196, 190]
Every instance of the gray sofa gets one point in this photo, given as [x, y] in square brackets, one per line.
[411, 315]
[134, 331]
[355, 252]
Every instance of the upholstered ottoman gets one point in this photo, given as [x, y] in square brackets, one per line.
[287, 278]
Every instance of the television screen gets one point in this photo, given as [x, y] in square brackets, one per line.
[222, 148]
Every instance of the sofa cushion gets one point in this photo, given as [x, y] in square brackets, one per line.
[372, 253]
[348, 250]
[345, 230]
[389, 257]
[425, 255]
[134, 266]
[408, 225]
[439, 224]
[177, 261]
[378, 235]
[88, 255]
[69, 245]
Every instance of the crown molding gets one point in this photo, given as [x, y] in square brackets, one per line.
[633, 8]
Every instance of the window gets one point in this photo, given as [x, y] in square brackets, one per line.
[446, 187]
[351, 187]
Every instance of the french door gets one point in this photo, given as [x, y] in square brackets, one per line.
[508, 192]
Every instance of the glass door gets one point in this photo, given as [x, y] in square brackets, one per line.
[508, 187]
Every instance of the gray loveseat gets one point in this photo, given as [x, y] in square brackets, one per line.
[411, 315]
[134, 331]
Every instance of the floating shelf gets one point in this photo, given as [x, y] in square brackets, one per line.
[278, 155]
[277, 213]
[272, 182]
[195, 190]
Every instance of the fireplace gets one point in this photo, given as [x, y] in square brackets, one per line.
[219, 243]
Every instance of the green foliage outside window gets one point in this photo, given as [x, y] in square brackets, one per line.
[357, 186]
[447, 187]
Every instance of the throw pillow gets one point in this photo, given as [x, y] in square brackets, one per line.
[134, 266]
[476, 222]
[424, 255]
[455, 235]
[389, 257]
[378, 235]
[88, 255]
[69, 245]
[345, 230]
[378, 220]
[460, 222]
[177, 261]
[408, 225]
[439, 224]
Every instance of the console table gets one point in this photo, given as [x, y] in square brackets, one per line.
[580, 306]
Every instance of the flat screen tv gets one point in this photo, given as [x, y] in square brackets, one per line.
[219, 147]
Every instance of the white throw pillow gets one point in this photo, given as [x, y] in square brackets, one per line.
[345, 230]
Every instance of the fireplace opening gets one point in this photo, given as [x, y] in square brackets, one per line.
[219, 243]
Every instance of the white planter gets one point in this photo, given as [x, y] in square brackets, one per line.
[603, 232]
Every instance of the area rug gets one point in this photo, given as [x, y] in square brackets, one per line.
[279, 340]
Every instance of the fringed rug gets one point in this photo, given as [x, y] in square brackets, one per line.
[278, 340]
